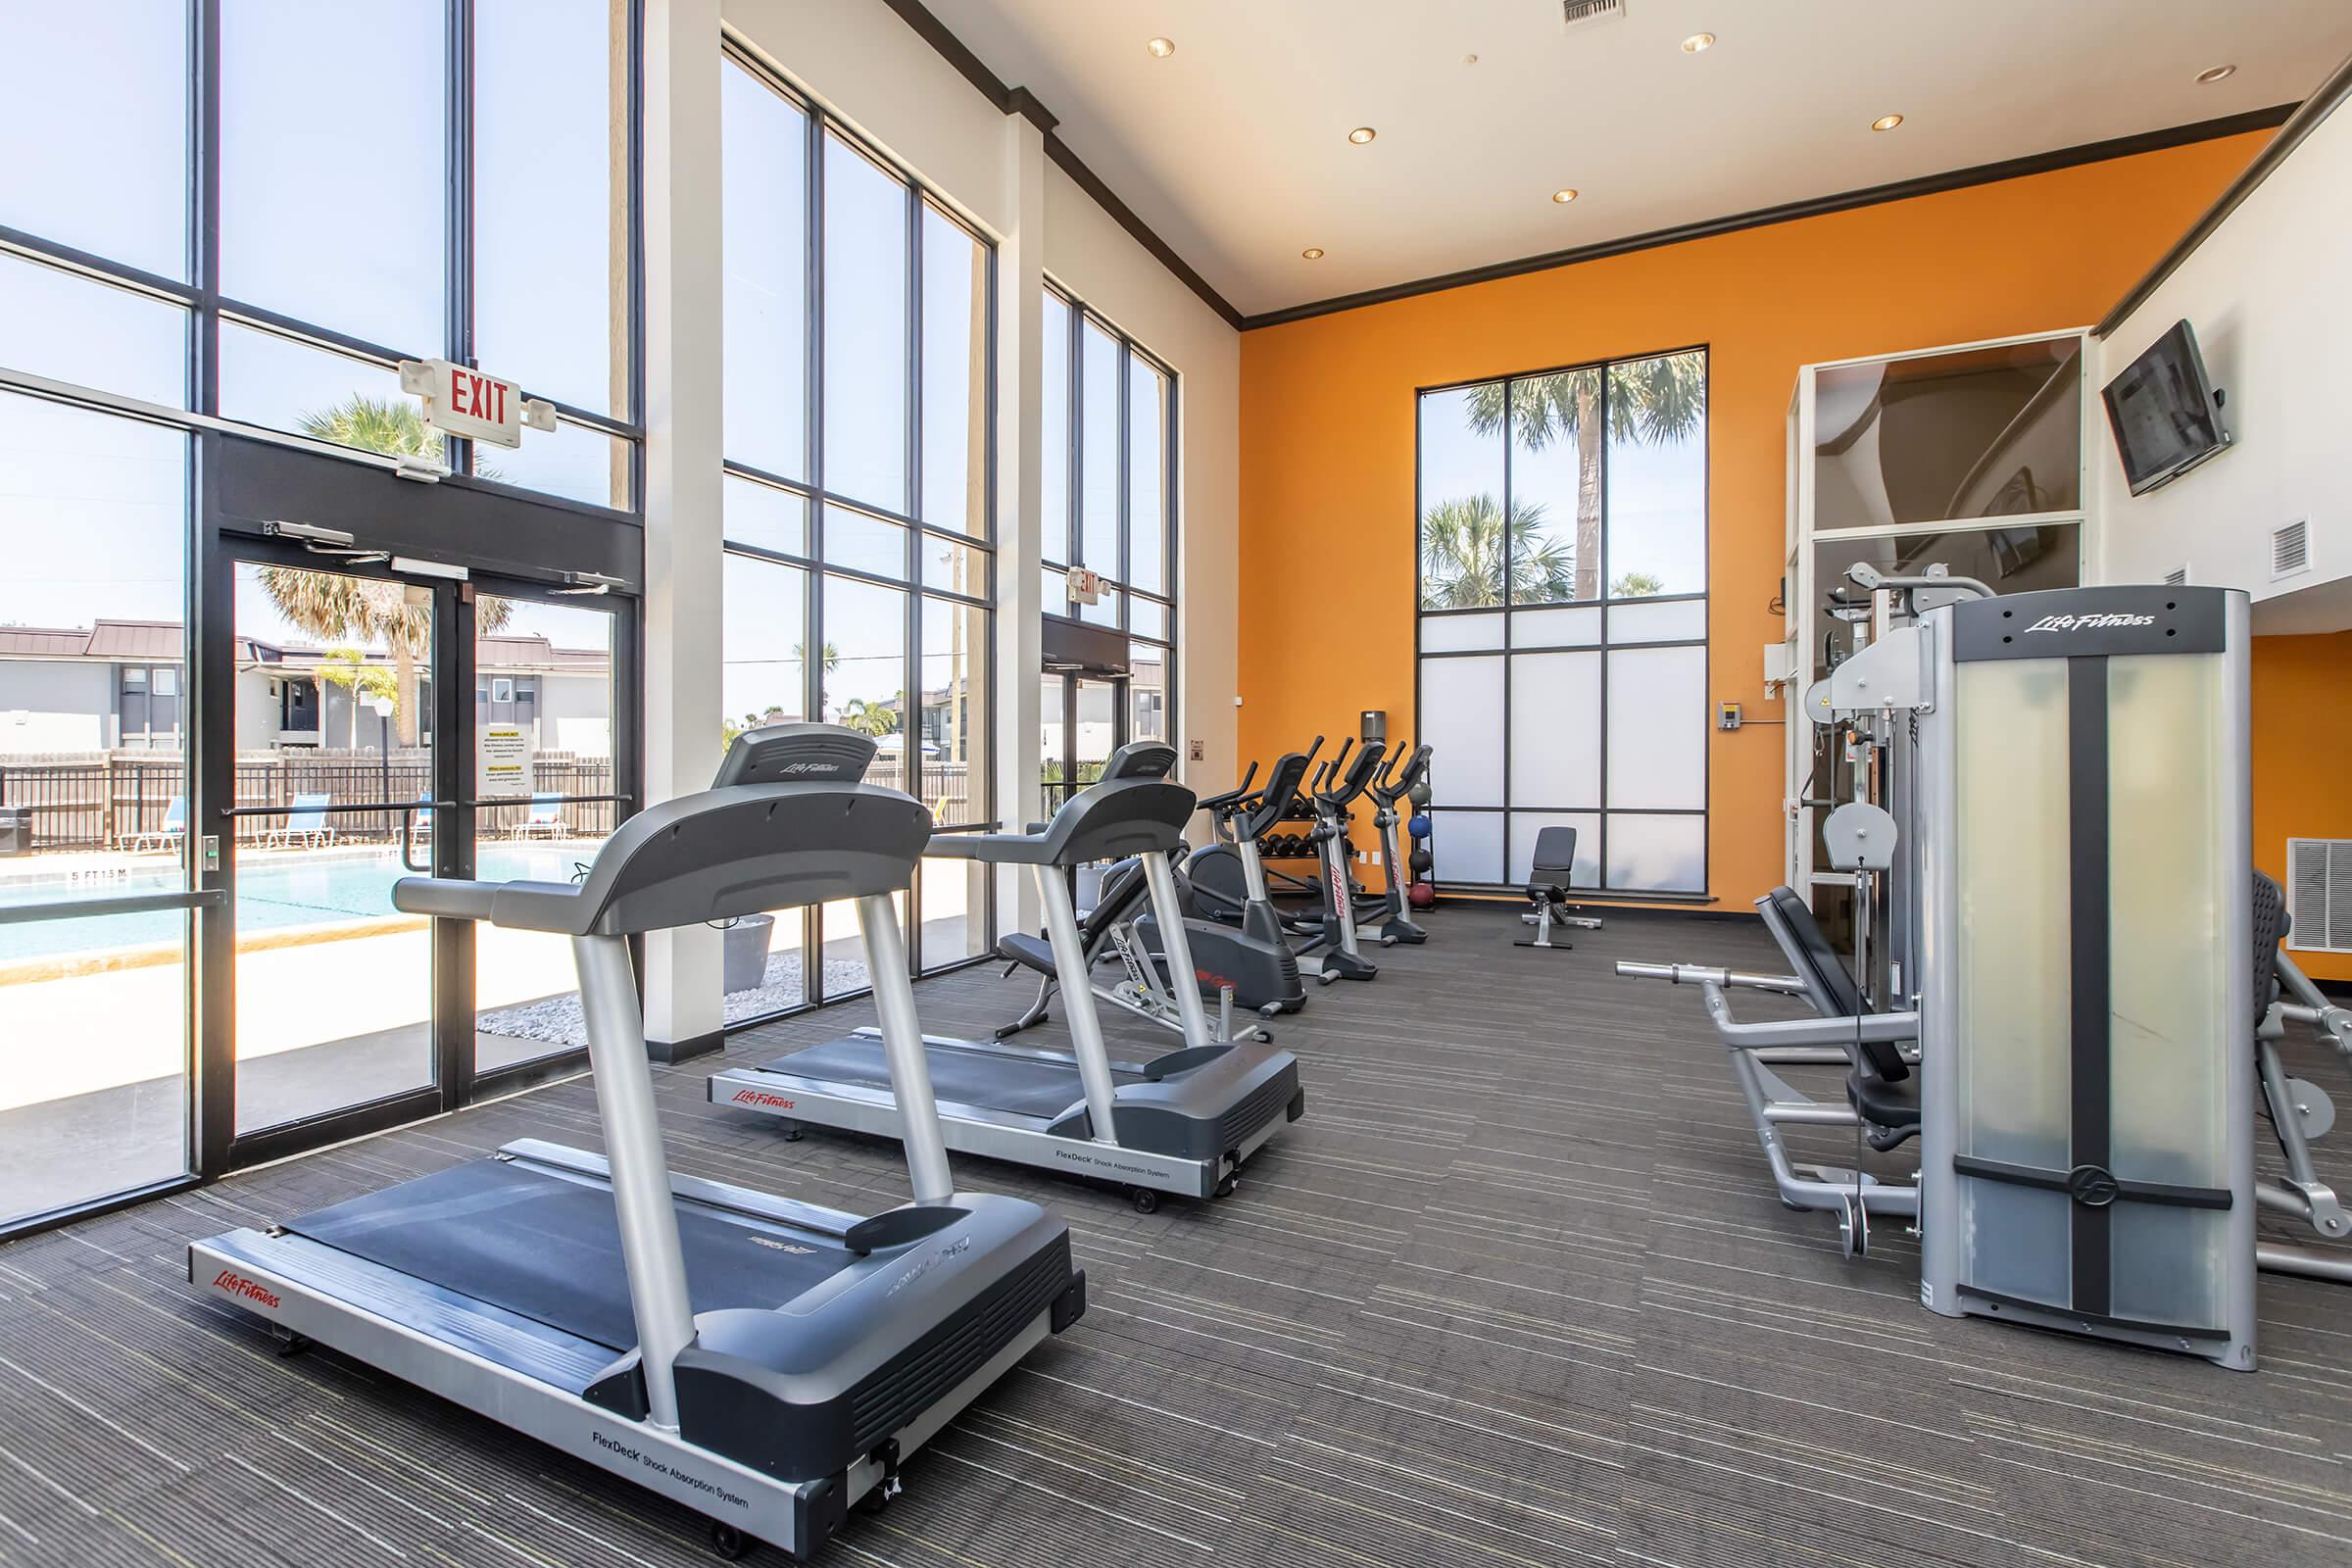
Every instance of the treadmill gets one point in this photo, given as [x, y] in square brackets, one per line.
[1182, 1122]
[762, 1361]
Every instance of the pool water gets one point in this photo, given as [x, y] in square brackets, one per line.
[277, 894]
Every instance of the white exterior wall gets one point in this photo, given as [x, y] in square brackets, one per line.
[2266, 295]
[55, 706]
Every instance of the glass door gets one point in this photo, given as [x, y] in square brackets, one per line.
[1084, 717]
[335, 676]
[546, 715]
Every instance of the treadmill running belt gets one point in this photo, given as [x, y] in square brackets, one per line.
[548, 1249]
[990, 1080]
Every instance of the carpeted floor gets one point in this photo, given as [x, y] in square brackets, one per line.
[1515, 1292]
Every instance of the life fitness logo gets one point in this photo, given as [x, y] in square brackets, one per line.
[2088, 622]
[240, 1285]
[760, 1097]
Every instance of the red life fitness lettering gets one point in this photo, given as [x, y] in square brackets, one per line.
[249, 1290]
[760, 1097]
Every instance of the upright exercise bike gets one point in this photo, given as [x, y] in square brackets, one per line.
[1386, 911]
[1335, 951]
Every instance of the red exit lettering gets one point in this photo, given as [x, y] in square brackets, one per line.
[478, 397]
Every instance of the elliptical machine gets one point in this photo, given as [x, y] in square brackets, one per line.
[1386, 911]
[1228, 877]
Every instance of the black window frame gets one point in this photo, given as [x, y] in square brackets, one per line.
[817, 500]
[1601, 646]
[1071, 532]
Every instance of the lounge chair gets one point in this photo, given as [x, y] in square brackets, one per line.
[306, 824]
[173, 834]
[547, 816]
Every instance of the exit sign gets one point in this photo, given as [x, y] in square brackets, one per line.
[473, 404]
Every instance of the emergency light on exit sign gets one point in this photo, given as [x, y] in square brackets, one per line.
[473, 404]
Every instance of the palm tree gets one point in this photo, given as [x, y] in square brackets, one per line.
[1637, 585]
[832, 656]
[1462, 552]
[1651, 402]
[870, 718]
[329, 606]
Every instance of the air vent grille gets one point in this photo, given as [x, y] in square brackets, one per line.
[2319, 893]
[2291, 550]
[2176, 577]
[1576, 12]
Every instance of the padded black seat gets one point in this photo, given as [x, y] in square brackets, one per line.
[1890, 1106]
[1123, 886]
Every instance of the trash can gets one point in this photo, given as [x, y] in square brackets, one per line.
[15, 830]
[746, 962]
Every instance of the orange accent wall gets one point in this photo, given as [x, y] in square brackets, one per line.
[1327, 503]
[2302, 712]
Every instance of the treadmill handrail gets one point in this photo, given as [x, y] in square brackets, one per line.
[452, 898]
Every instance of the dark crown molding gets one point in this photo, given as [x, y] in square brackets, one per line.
[1788, 211]
[1020, 101]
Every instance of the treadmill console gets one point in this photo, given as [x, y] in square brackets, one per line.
[799, 753]
[1141, 760]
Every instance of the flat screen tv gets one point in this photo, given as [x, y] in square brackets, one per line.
[2167, 416]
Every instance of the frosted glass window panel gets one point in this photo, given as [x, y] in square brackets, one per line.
[1526, 825]
[116, 76]
[1657, 854]
[1657, 729]
[1550, 628]
[1460, 504]
[1674, 620]
[764, 249]
[335, 184]
[1977, 434]
[1461, 722]
[2012, 942]
[1555, 729]
[62, 325]
[1455, 634]
[1658, 476]
[2171, 823]
[1466, 847]
[1556, 485]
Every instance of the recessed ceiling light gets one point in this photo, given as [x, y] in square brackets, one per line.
[1885, 121]
[1698, 43]
[1362, 134]
[1162, 48]
[2212, 74]
[1469, 60]
[1313, 252]
[1563, 197]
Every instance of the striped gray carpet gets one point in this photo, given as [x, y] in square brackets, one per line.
[1514, 1293]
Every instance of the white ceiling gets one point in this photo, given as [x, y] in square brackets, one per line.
[1234, 149]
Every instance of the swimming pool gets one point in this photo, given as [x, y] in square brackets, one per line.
[277, 894]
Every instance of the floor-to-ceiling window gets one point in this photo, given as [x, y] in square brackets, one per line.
[1107, 506]
[858, 510]
[211, 279]
[1563, 542]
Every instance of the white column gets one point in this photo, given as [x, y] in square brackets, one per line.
[1020, 361]
[682, 467]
